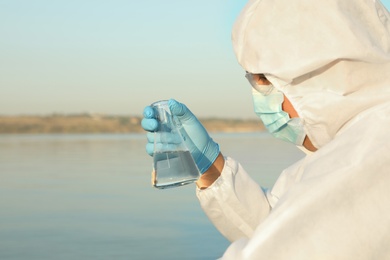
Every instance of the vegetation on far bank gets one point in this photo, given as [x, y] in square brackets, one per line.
[89, 123]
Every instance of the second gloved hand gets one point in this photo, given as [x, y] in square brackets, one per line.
[202, 147]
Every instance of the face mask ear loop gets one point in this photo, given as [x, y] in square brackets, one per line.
[276, 83]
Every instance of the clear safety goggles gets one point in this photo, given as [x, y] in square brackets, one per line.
[263, 89]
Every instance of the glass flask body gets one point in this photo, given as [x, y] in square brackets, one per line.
[173, 164]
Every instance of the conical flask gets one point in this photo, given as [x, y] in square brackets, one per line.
[173, 164]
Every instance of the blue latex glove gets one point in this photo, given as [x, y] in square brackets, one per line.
[203, 149]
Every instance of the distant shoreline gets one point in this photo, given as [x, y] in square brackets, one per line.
[90, 123]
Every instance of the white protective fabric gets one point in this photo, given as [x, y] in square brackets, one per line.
[332, 60]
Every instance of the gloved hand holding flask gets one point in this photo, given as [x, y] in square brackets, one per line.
[202, 148]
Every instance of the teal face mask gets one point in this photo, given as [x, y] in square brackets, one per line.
[267, 101]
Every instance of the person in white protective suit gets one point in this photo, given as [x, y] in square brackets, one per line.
[320, 76]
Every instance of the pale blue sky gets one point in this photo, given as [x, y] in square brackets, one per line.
[115, 57]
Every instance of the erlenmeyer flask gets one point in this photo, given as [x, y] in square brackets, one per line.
[173, 164]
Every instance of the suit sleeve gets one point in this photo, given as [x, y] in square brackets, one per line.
[234, 203]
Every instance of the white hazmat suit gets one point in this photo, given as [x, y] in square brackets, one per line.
[331, 59]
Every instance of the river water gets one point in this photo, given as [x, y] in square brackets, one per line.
[90, 197]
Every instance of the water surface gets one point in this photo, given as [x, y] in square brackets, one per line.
[90, 197]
